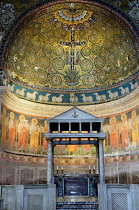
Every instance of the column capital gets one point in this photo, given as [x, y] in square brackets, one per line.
[49, 140]
[101, 140]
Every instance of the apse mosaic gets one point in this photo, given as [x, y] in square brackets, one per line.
[73, 46]
[25, 134]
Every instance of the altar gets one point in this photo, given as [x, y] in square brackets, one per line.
[76, 127]
[79, 185]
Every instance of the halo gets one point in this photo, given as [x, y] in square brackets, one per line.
[112, 120]
[34, 121]
[123, 117]
[12, 116]
[133, 113]
[21, 118]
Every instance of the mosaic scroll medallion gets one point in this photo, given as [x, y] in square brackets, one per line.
[73, 46]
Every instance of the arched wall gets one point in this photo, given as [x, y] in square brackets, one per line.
[23, 127]
[27, 164]
[23, 153]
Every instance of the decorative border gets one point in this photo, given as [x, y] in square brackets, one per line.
[82, 97]
[61, 160]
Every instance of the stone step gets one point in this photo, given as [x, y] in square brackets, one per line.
[77, 206]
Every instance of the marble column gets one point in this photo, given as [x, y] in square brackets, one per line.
[69, 127]
[50, 163]
[97, 158]
[101, 163]
[48, 126]
[58, 127]
[80, 127]
[90, 127]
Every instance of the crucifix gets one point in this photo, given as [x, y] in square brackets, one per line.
[72, 44]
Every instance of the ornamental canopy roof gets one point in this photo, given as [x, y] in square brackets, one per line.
[75, 115]
[77, 126]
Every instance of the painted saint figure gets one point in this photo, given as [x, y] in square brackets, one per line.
[114, 138]
[34, 135]
[124, 129]
[134, 127]
[22, 133]
[12, 130]
[45, 129]
[106, 140]
[4, 125]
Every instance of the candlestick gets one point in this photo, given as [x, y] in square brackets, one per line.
[89, 169]
[57, 169]
[94, 169]
[62, 170]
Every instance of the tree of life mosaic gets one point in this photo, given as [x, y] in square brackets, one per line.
[72, 45]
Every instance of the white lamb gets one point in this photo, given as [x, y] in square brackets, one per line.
[20, 92]
[44, 98]
[86, 98]
[5, 81]
[133, 85]
[58, 99]
[11, 87]
[124, 90]
[31, 95]
[73, 98]
[112, 94]
[100, 97]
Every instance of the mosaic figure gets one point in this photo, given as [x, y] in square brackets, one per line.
[8, 13]
[32, 95]
[101, 97]
[134, 11]
[1, 12]
[57, 99]
[112, 94]
[87, 98]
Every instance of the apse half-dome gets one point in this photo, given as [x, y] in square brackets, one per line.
[67, 52]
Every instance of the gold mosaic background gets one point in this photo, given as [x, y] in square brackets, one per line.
[21, 5]
[101, 45]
